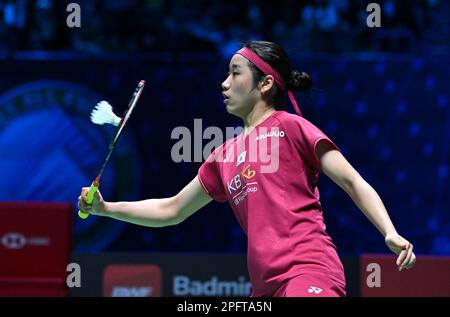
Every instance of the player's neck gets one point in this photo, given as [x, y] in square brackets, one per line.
[255, 117]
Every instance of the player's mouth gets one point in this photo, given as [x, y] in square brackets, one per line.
[225, 98]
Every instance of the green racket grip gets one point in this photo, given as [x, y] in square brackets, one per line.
[91, 192]
[89, 198]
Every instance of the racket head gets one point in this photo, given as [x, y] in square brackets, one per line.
[132, 104]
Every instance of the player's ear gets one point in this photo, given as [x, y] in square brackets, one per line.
[266, 83]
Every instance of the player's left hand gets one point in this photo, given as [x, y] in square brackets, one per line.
[399, 245]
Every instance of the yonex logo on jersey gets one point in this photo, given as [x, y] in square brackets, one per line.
[315, 290]
[270, 134]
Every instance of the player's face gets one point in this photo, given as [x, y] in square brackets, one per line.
[238, 88]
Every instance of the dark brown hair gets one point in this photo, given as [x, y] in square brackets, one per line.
[276, 57]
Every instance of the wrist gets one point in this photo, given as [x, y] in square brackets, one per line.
[107, 209]
[390, 232]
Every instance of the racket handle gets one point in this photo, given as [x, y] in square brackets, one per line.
[90, 197]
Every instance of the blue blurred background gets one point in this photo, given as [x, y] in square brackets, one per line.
[382, 94]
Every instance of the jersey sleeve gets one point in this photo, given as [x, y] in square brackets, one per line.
[307, 136]
[211, 179]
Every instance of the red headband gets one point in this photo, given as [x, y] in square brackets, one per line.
[268, 70]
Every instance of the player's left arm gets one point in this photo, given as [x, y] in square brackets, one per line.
[339, 170]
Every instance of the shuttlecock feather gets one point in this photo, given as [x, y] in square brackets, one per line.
[103, 113]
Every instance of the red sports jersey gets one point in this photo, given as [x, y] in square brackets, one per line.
[276, 201]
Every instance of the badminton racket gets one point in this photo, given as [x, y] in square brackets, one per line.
[121, 124]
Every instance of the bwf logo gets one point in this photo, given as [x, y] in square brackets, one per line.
[132, 280]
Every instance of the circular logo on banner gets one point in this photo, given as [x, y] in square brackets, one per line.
[50, 149]
[13, 240]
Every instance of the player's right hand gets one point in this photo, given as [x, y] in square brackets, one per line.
[98, 206]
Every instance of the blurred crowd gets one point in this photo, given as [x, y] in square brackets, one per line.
[217, 25]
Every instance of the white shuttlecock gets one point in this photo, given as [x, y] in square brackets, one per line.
[103, 113]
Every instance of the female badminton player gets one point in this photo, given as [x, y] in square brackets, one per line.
[289, 250]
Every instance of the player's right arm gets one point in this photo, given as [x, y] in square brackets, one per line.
[151, 212]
